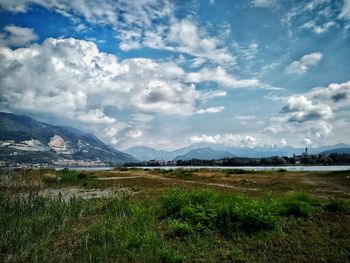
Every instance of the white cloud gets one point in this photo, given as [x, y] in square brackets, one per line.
[301, 66]
[319, 103]
[229, 139]
[264, 3]
[14, 36]
[345, 11]
[318, 29]
[95, 117]
[71, 79]
[185, 36]
[315, 114]
[134, 134]
[144, 23]
[221, 76]
[283, 142]
[302, 109]
[318, 16]
[307, 141]
[210, 110]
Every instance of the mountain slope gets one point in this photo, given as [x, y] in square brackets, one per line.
[338, 150]
[206, 153]
[145, 153]
[27, 137]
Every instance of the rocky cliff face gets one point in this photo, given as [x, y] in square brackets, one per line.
[59, 145]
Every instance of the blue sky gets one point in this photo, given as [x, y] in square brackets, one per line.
[171, 73]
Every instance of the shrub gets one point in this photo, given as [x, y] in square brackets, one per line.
[173, 200]
[179, 228]
[67, 176]
[244, 214]
[235, 171]
[298, 204]
[338, 205]
[205, 209]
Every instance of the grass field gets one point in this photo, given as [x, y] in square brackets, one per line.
[134, 215]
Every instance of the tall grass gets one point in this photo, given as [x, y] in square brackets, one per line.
[36, 229]
[207, 210]
[127, 232]
[28, 222]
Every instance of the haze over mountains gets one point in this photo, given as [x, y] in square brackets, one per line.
[208, 151]
[23, 139]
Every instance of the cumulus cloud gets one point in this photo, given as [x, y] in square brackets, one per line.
[302, 109]
[186, 37]
[301, 66]
[315, 114]
[146, 23]
[14, 36]
[73, 74]
[318, 104]
[72, 79]
[229, 139]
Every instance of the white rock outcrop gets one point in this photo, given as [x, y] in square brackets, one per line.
[59, 145]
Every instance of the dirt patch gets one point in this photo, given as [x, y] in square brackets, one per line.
[156, 177]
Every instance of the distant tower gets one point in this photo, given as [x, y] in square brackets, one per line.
[306, 150]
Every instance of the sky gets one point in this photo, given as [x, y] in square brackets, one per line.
[167, 74]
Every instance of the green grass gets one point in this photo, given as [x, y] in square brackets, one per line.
[68, 177]
[29, 222]
[178, 173]
[179, 226]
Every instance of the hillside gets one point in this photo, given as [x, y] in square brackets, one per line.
[339, 150]
[23, 139]
[206, 153]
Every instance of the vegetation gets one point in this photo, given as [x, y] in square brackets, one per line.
[316, 159]
[174, 219]
[179, 227]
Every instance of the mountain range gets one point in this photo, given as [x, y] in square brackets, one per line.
[209, 151]
[23, 139]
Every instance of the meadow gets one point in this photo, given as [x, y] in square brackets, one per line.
[140, 215]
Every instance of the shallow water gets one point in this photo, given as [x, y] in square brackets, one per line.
[315, 168]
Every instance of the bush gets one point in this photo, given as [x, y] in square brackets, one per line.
[298, 204]
[338, 205]
[179, 173]
[67, 176]
[244, 214]
[173, 200]
[179, 228]
[206, 210]
[235, 171]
